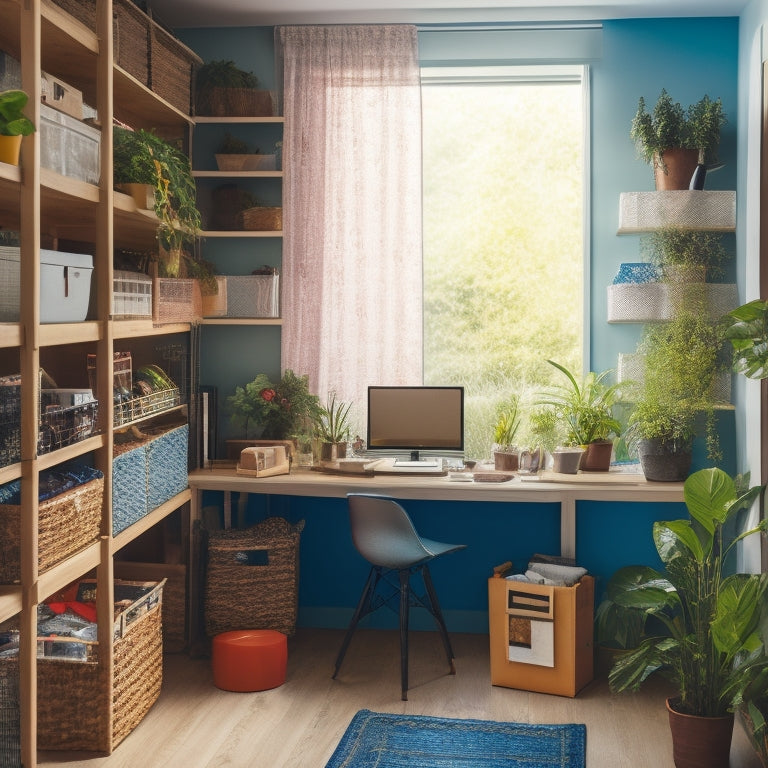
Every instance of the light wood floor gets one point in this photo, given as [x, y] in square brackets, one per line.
[195, 725]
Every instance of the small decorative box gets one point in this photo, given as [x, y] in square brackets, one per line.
[640, 272]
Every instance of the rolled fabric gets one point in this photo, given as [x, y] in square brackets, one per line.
[564, 575]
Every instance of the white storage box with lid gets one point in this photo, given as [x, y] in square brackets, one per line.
[69, 146]
[65, 285]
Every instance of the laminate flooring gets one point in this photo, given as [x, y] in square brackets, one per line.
[195, 725]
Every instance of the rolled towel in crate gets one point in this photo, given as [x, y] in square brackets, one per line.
[252, 577]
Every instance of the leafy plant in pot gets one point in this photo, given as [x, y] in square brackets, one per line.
[14, 124]
[678, 143]
[709, 620]
[685, 254]
[505, 452]
[332, 429]
[586, 408]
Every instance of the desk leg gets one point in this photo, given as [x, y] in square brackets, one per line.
[568, 526]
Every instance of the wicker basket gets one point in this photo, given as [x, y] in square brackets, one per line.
[10, 720]
[66, 523]
[75, 699]
[252, 578]
[171, 68]
[235, 102]
[262, 218]
[177, 300]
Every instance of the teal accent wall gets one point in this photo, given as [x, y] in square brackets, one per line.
[689, 57]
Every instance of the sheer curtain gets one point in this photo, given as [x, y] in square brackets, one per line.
[352, 271]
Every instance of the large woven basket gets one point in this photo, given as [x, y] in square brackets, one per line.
[252, 578]
[177, 300]
[262, 218]
[75, 699]
[171, 68]
[10, 720]
[234, 102]
[66, 523]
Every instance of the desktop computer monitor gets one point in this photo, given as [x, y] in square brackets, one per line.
[416, 418]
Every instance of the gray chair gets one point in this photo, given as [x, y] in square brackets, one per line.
[384, 535]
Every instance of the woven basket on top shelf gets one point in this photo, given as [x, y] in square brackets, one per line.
[171, 68]
[252, 577]
[262, 218]
[66, 523]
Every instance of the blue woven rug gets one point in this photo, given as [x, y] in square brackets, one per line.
[417, 741]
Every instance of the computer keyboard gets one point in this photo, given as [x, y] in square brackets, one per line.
[422, 464]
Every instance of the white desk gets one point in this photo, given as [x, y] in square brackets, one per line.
[565, 489]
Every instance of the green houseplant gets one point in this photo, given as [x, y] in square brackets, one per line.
[692, 254]
[13, 124]
[747, 330]
[586, 408]
[709, 637]
[222, 88]
[332, 428]
[142, 157]
[505, 453]
[669, 134]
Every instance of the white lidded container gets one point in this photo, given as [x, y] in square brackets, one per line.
[65, 285]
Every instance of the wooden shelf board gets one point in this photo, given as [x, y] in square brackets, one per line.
[203, 119]
[238, 174]
[10, 335]
[242, 321]
[150, 520]
[74, 451]
[240, 233]
[55, 334]
[129, 329]
[69, 570]
[10, 602]
[10, 472]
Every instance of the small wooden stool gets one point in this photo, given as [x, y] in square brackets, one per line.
[249, 659]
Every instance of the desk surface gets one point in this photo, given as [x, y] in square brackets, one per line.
[552, 487]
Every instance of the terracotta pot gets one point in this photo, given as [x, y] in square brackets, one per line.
[700, 742]
[567, 460]
[506, 462]
[10, 148]
[661, 464]
[680, 165]
[597, 457]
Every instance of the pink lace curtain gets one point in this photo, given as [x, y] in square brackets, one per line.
[352, 270]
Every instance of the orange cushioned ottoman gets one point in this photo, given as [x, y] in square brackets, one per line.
[249, 659]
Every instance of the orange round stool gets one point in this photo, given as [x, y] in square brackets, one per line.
[249, 659]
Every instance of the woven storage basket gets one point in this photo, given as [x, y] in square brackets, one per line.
[638, 303]
[252, 578]
[10, 721]
[129, 484]
[215, 304]
[66, 523]
[75, 699]
[235, 102]
[167, 465]
[262, 218]
[177, 300]
[131, 30]
[253, 296]
[171, 68]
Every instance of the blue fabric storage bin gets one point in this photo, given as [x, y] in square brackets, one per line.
[129, 488]
[167, 465]
[636, 272]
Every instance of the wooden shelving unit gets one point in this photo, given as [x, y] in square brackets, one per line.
[40, 203]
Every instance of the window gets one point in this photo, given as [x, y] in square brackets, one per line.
[504, 209]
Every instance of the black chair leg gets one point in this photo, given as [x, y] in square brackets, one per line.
[405, 604]
[363, 609]
[438, 616]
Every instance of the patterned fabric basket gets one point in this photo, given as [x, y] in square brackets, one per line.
[66, 523]
[262, 218]
[74, 700]
[253, 296]
[252, 578]
[177, 300]
[10, 721]
[172, 68]
[638, 303]
[129, 485]
[167, 465]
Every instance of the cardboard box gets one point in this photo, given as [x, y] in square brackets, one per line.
[541, 637]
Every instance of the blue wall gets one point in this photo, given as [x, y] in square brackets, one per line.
[688, 57]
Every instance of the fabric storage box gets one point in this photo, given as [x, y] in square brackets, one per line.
[541, 637]
[69, 146]
[167, 465]
[129, 484]
[77, 702]
[131, 295]
[174, 597]
[172, 68]
[638, 303]
[65, 285]
[176, 300]
[253, 296]
[252, 577]
[262, 219]
[67, 521]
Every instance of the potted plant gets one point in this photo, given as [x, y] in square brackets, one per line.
[586, 408]
[274, 411]
[332, 429]
[681, 361]
[236, 155]
[675, 141]
[505, 453]
[144, 158]
[14, 124]
[747, 331]
[685, 254]
[709, 621]
[223, 89]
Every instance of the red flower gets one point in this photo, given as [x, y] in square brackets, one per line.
[268, 394]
